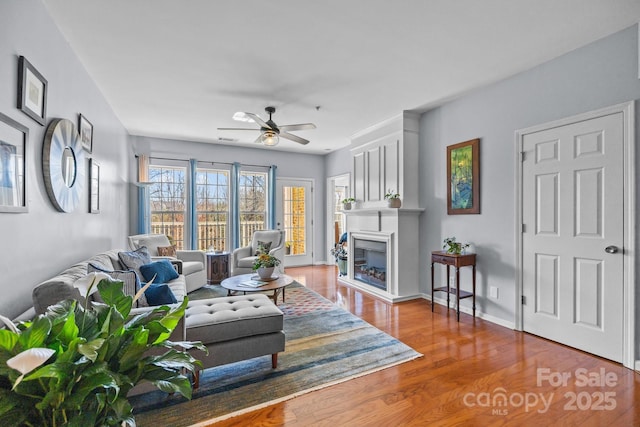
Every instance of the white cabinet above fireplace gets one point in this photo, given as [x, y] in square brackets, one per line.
[385, 157]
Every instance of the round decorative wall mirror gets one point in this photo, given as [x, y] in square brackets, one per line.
[63, 164]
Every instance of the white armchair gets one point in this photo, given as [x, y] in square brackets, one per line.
[243, 258]
[194, 265]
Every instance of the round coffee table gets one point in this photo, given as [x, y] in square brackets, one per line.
[238, 284]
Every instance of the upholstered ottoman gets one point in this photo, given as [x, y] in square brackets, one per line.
[235, 328]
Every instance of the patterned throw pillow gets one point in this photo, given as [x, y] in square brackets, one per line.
[131, 283]
[263, 247]
[134, 259]
[167, 251]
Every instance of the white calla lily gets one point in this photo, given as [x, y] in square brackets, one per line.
[29, 360]
[12, 327]
[86, 284]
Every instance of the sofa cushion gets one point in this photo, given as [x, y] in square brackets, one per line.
[51, 292]
[162, 270]
[108, 259]
[58, 288]
[160, 294]
[228, 318]
[133, 260]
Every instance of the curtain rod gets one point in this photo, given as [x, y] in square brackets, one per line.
[206, 161]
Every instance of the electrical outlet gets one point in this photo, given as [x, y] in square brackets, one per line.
[493, 292]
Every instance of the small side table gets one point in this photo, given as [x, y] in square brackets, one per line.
[217, 267]
[457, 261]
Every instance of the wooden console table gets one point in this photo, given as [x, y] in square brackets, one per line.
[457, 261]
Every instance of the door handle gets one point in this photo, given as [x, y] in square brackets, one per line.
[611, 249]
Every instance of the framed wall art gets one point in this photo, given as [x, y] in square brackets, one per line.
[85, 129]
[463, 178]
[13, 176]
[94, 187]
[32, 91]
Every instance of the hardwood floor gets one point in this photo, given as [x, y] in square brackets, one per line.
[473, 373]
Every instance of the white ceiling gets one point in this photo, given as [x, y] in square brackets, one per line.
[181, 69]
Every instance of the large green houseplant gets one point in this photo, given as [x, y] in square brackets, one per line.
[75, 364]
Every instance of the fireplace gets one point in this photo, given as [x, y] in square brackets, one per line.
[370, 262]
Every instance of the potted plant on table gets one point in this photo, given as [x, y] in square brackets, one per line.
[393, 199]
[453, 247]
[265, 264]
[346, 203]
[75, 364]
[340, 255]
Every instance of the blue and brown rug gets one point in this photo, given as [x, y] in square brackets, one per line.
[325, 345]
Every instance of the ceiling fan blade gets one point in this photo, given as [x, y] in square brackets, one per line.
[258, 120]
[238, 129]
[293, 137]
[258, 140]
[300, 126]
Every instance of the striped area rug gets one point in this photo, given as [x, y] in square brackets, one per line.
[325, 345]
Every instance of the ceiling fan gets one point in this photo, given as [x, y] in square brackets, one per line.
[270, 133]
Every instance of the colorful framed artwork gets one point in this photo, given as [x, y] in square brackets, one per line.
[13, 176]
[32, 91]
[94, 187]
[85, 129]
[463, 178]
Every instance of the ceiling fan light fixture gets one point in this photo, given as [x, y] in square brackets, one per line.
[242, 117]
[270, 139]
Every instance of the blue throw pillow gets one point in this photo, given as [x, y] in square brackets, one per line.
[162, 270]
[159, 294]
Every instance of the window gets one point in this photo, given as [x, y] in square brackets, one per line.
[294, 206]
[212, 208]
[252, 193]
[167, 196]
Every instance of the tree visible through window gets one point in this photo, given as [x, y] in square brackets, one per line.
[253, 204]
[212, 207]
[168, 202]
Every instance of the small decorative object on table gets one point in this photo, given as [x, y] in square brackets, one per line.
[340, 254]
[453, 247]
[346, 203]
[393, 199]
[264, 265]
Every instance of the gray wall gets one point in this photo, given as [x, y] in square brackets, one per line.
[600, 74]
[290, 165]
[39, 244]
[338, 162]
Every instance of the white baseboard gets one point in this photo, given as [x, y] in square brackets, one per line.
[637, 365]
[479, 314]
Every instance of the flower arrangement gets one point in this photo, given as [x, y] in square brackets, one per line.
[453, 247]
[339, 252]
[391, 194]
[75, 364]
[348, 200]
[265, 261]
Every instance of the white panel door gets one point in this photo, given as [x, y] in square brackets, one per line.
[294, 216]
[573, 195]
